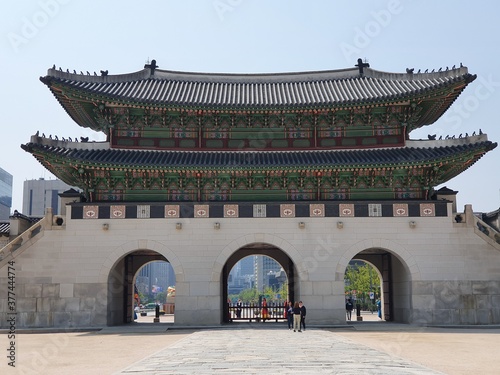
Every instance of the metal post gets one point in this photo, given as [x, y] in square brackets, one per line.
[157, 314]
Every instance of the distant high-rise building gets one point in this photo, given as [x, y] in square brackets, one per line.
[5, 194]
[41, 194]
[264, 266]
[155, 277]
[246, 265]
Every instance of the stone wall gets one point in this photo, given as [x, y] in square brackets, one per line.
[443, 272]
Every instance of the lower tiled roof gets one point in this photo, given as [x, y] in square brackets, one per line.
[261, 159]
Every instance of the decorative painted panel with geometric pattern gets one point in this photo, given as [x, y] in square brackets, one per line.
[172, 210]
[231, 210]
[259, 210]
[427, 209]
[400, 209]
[287, 210]
[117, 212]
[283, 210]
[374, 209]
[91, 212]
[201, 210]
[143, 211]
[346, 209]
[317, 210]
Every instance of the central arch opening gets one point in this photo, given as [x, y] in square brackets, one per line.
[262, 277]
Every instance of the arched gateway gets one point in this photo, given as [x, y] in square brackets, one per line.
[317, 168]
[271, 251]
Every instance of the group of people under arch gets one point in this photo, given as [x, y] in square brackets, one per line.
[296, 316]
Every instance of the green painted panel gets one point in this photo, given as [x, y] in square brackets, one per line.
[125, 142]
[156, 133]
[258, 195]
[348, 142]
[279, 143]
[301, 143]
[390, 140]
[146, 142]
[371, 194]
[328, 142]
[145, 196]
[369, 141]
[236, 144]
[167, 143]
[257, 143]
[258, 133]
[214, 143]
[359, 131]
[187, 143]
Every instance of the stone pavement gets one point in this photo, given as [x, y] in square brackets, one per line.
[261, 350]
[368, 347]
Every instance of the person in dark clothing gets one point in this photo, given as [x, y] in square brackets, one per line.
[289, 314]
[302, 316]
[349, 306]
[239, 304]
[296, 317]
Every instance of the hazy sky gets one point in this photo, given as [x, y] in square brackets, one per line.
[248, 36]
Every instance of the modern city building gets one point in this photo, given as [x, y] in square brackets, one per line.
[311, 169]
[40, 194]
[5, 194]
[155, 277]
[265, 271]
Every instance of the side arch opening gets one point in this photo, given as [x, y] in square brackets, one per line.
[123, 285]
[395, 284]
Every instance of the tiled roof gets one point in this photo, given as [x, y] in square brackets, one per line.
[262, 159]
[259, 91]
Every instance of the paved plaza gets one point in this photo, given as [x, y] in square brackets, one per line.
[367, 347]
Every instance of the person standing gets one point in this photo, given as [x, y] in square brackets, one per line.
[265, 312]
[302, 315]
[289, 314]
[296, 317]
[349, 306]
[239, 304]
[379, 308]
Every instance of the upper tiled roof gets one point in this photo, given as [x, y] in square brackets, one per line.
[259, 91]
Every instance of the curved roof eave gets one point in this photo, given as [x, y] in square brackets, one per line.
[257, 91]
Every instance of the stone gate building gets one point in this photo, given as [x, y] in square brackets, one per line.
[312, 169]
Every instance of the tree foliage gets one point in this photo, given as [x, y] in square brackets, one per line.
[253, 295]
[360, 280]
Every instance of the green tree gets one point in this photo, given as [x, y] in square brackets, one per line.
[161, 297]
[249, 295]
[363, 279]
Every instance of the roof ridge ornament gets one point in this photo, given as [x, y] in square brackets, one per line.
[152, 66]
[361, 65]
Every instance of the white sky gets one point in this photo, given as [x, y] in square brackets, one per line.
[247, 36]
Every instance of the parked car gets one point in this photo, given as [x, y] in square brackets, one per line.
[149, 306]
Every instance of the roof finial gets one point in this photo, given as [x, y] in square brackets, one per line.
[361, 65]
[152, 66]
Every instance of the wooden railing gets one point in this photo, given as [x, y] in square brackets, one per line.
[254, 312]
